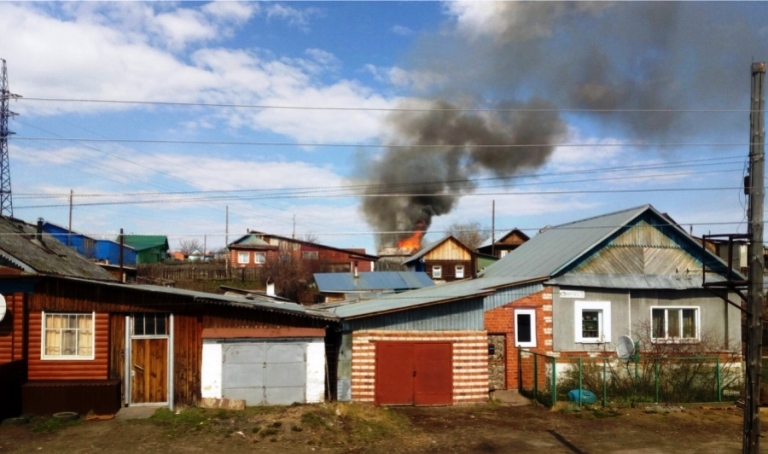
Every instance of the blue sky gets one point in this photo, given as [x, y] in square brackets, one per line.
[625, 87]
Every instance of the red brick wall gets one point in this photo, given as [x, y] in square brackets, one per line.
[470, 361]
[502, 321]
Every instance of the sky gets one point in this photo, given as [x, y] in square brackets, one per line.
[355, 122]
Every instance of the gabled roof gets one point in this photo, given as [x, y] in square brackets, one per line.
[251, 240]
[371, 281]
[47, 224]
[434, 245]
[142, 242]
[20, 249]
[255, 240]
[556, 248]
[517, 231]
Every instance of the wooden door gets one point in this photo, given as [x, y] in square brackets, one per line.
[149, 370]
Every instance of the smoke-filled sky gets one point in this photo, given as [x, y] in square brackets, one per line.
[555, 111]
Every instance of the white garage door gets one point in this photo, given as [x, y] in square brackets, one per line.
[265, 373]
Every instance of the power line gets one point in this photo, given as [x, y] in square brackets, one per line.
[377, 109]
[377, 145]
[475, 194]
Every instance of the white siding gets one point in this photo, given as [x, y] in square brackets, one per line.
[211, 373]
[315, 371]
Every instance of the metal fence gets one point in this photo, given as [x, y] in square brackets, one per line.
[605, 381]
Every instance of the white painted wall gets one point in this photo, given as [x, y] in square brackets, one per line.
[212, 370]
[315, 371]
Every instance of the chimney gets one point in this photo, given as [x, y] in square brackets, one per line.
[270, 287]
[39, 234]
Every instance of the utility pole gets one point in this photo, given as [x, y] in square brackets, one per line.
[6, 203]
[69, 236]
[751, 440]
[493, 228]
[226, 240]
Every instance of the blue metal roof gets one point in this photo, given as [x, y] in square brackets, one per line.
[372, 281]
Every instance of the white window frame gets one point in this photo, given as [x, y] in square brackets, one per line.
[43, 330]
[241, 254]
[459, 271]
[604, 321]
[260, 258]
[532, 313]
[667, 339]
[437, 272]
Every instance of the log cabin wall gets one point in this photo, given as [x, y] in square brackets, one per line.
[51, 369]
[112, 304]
[12, 329]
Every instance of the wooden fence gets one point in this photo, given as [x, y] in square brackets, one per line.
[12, 376]
[197, 272]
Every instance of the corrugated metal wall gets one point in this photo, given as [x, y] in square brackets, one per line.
[458, 315]
[507, 295]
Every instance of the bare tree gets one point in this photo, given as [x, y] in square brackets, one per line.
[293, 276]
[472, 234]
[309, 237]
[188, 246]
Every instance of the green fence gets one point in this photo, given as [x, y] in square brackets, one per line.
[549, 379]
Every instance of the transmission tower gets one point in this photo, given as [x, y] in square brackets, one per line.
[6, 204]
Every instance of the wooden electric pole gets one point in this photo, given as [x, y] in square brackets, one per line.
[756, 185]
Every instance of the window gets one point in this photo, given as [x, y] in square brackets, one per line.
[261, 258]
[309, 255]
[437, 272]
[68, 336]
[150, 324]
[525, 328]
[243, 257]
[593, 321]
[459, 271]
[675, 323]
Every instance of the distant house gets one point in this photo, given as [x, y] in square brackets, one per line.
[444, 260]
[341, 286]
[504, 245]
[253, 250]
[149, 248]
[104, 251]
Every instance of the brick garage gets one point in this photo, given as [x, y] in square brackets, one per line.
[469, 361]
[501, 321]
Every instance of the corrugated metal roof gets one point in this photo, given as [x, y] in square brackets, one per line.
[141, 242]
[436, 294]
[255, 302]
[556, 247]
[51, 257]
[639, 282]
[372, 281]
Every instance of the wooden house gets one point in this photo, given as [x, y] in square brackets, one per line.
[101, 250]
[444, 260]
[75, 339]
[504, 245]
[253, 250]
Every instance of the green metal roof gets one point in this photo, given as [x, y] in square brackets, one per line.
[142, 242]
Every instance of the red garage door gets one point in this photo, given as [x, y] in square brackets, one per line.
[409, 373]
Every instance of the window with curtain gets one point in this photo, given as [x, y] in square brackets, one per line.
[68, 336]
[675, 323]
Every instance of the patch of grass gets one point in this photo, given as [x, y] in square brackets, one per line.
[277, 424]
[49, 425]
[269, 432]
[296, 428]
[256, 429]
[313, 419]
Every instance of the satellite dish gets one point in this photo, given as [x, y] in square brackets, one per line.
[3, 308]
[625, 348]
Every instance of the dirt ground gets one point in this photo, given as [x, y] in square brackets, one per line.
[344, 428]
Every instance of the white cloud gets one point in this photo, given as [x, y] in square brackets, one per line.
[401, 30]
[294, 16]
[93, 57]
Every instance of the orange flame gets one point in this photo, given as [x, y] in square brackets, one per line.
[412, 242]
